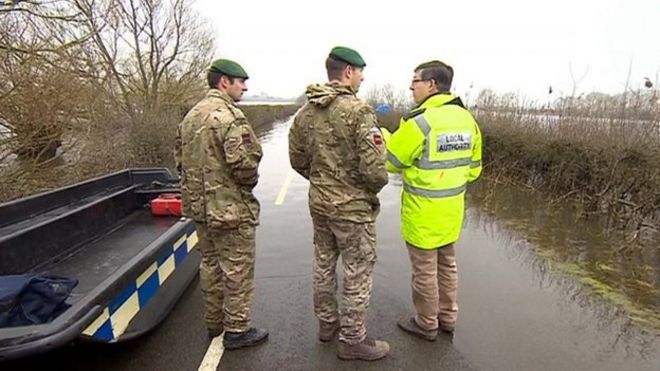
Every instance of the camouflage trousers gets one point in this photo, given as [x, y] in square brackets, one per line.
[356, 243]
[227, 275]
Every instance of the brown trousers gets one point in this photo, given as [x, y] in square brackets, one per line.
[434, 286]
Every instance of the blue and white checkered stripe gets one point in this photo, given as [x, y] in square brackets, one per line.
[115, 318]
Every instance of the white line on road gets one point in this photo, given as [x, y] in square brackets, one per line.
[213, 355]
[280, 196]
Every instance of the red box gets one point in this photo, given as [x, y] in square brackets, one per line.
[167, 204]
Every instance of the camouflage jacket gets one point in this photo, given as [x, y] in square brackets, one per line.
[217, 156]
[335, 144]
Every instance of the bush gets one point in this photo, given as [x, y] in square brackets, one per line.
[109, 143]
[610, 165]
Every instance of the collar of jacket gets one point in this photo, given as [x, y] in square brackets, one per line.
[435, 100]
[340, 88]
[215, 93]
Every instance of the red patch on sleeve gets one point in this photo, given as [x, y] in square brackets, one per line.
[246, 138]
[378, 140]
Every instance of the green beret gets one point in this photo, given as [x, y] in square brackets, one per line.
[347, 55]
[229, 68]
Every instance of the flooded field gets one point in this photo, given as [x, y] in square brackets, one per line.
[553, 238]
[539, 289]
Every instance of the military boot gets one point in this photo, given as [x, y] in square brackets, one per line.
[251, 337]
[215, 331]
[367, 350]
[328, 330]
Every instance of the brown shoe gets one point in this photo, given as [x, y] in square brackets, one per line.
[328, 330]
[411, 326]
[446, 327]
[367, 350]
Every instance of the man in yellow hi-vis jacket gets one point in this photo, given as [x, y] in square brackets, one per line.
[437, 148]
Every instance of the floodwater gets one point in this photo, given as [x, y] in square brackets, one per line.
[539, 289]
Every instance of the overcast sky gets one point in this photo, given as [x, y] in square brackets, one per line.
[505, 45]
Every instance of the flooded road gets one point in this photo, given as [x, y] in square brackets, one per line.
[518, 310]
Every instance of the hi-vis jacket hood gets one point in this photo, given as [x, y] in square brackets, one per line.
[324, 95]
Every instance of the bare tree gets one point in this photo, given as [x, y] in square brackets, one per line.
[576, 80]
[151, 52]
[37, 88]
[144, 56]
[486, 99]
[81, 72]
[397, 99]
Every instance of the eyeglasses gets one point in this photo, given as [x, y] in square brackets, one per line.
[418, 80]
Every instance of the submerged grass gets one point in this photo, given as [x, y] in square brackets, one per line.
[563, 247]
[642, 315]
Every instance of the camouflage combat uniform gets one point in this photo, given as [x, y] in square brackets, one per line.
[334, 143]
[217, 155]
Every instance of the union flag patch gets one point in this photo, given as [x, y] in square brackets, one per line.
[246, 138]
[378, 139]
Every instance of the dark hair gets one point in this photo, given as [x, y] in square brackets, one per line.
[335, 68]
[213, 78]
[440, 72]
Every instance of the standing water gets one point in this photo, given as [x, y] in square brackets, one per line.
[539, 289]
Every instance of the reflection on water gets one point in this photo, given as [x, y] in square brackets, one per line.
[548, 237]
[593, 265]
[528, 274]
[267, 132]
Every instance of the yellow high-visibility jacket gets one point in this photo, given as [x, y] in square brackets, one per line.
[437, 148]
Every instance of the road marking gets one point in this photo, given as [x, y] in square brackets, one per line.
[213, 355]
[280, 196]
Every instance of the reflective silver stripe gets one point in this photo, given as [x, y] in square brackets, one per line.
[434, 193]
[474, 164]
[423, 124]
[425, 164]
[394, 160]
[426, 129]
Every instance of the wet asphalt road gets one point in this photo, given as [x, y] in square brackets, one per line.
[511, 316]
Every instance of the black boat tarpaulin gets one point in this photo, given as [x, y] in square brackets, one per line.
[31, 299]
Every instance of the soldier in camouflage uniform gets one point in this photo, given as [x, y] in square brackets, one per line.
[217, 155]
[334, 143]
